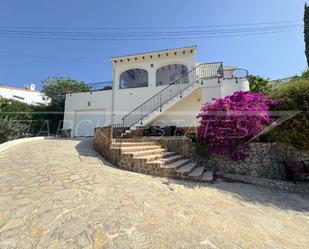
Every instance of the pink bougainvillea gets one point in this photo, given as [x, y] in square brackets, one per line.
[229, 123]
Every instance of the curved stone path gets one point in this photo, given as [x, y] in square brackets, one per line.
[57, 194]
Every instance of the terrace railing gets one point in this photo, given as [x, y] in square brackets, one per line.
[100, 86]
[235, 73]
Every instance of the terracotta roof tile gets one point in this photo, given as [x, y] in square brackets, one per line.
[19, 89]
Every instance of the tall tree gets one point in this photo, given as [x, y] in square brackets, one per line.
[55, 88]
[306, 31]
[49, 118]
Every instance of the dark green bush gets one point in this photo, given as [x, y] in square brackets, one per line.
[294, 96]
[200, 150]
[258, 84]
[19, 120]
[11, 128]
[16, 109]
[46, 120]
[14, 119]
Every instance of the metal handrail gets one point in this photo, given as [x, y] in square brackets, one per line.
[202, 71]
[100, 86]
[235, 73]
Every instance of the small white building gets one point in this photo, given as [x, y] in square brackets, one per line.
[161, 88]
[26, 95]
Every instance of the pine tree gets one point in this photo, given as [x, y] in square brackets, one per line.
[306, 31]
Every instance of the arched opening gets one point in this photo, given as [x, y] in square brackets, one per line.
[168, 74]
[133, 78]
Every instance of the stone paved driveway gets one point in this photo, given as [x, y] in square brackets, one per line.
[57, 194]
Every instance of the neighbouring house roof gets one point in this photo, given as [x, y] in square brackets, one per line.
[193, 47]
[18, 89]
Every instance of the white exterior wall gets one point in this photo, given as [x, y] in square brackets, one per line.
[183, 113]
[23, 95]
[231, 86]
[212, 89]
[125, 100]
[94, 105]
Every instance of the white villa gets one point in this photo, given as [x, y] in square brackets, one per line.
[26, 95]
[158, 88]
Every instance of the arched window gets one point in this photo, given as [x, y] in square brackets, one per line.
[168, 74]
[133, 78]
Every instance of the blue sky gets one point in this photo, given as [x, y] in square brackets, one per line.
[30, 60]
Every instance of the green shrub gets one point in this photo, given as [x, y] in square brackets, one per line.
[14, 119]
[31, 120]
[305, 74]
[294, 96]
[46, 120]
[259, 84]
[15, 109]
[11, 128]
[200, 150]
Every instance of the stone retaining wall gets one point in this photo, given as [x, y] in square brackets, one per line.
[265, 160]
[102, 141]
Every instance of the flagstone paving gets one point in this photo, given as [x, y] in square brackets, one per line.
[58, 194]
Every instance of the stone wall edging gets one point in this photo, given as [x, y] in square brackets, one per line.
[7, 145]
[265, 161]
[103, 137]
[277, 184]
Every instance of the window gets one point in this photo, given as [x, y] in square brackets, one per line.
[133, 78]
[170, 73]
[18, 97]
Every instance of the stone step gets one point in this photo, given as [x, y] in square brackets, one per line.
[133, 144]
[186, 168]
[207, 176]
[169, 154]
[177, 164]
[139, 148]
[149, 158]
[171, 159]
[144, 153]
[197, 172]
[127, 140]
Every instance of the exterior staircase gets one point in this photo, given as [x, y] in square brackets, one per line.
[177, 90]
[148, 157]
[171, 94]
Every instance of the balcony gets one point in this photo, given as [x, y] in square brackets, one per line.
[100, 86]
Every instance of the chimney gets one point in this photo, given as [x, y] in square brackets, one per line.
[31, 87]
